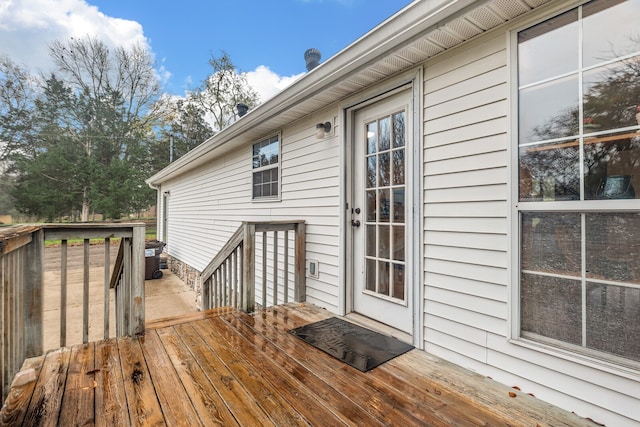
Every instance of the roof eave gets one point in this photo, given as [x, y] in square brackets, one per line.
[405, 26]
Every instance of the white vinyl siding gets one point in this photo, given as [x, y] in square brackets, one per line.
[465, 201]
[467, 239]
[209, 203]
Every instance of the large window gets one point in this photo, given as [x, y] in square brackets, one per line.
[579, 180]
[266, 169]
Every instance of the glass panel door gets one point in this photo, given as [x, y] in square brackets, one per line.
[380, 226]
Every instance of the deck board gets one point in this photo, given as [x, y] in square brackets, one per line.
[172, 396]
[232, 393]
[225, 368]
[44, 407]
[110, 398]
[77, 403]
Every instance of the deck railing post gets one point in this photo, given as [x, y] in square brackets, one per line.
[137, 280]
[34, 271]
[85, 293]
[249, 267]
[300, 294]
[125, 289]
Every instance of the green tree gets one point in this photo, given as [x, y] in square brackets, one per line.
[117, 95]
[47, 185]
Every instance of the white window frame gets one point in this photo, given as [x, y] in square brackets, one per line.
[590, 357]
[277, 165]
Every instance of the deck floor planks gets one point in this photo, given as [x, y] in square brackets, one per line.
[376, 398]
[450, 409]
[172, 396]
[110, 398]
[238, 400]
[346, 409]
[230, 368]
[211, 408]
[79, 392]
[46, 400]
[312, 397]
[144, 407]
[269, 398]
[428, 407]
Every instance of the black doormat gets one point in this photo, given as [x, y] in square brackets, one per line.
[354, 345]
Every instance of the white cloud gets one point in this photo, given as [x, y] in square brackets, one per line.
[28, 26]
[267, 83]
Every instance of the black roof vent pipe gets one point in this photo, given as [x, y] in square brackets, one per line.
[312, 58]
[242, 109]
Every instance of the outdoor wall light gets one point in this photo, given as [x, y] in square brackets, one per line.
[322, 129]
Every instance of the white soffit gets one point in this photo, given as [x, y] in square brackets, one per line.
[471, 24]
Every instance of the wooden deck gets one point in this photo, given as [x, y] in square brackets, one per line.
[224, 367]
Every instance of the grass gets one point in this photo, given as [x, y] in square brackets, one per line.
[149, 235]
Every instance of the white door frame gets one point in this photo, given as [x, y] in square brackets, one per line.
[412, 78]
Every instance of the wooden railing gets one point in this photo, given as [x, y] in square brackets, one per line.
[230, 279]
[22, 286]
[21, 260]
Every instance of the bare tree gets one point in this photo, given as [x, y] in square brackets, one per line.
[222, 91]
[17, 96]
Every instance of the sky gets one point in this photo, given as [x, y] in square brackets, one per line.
[266, 39]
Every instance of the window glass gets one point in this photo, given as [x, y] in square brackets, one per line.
[551, 307]
[265, 164]
[398, 167]
[583, 116]
[610, 30]
[383, 277]
[385, 169]
[398, 281]
[579, 145]
[398, 205]
[548, 49]
[372, 137]
[612, 320]
[610, 97]
[613, 247]
[398, 242]
[371, 278]
[611, 163]
[550, 172]
[549, 111]
[385, 133]
[398, 129]
[551, 243]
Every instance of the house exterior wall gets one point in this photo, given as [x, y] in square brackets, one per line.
[469, 244]
[468, 241]
[207, 205]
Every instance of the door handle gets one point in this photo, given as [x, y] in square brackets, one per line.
[355, 223]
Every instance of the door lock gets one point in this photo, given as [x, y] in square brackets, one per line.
[355, 223]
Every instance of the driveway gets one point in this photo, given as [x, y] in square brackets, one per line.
[164, 297]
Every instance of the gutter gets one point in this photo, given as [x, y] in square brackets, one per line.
[412, 22]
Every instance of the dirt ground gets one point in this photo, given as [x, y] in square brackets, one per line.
[164, 297]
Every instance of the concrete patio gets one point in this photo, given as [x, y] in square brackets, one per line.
[164, 297]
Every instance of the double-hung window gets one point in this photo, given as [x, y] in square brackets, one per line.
[579, 181]
[266, 169]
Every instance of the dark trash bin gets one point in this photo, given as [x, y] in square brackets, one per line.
[152, 253]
